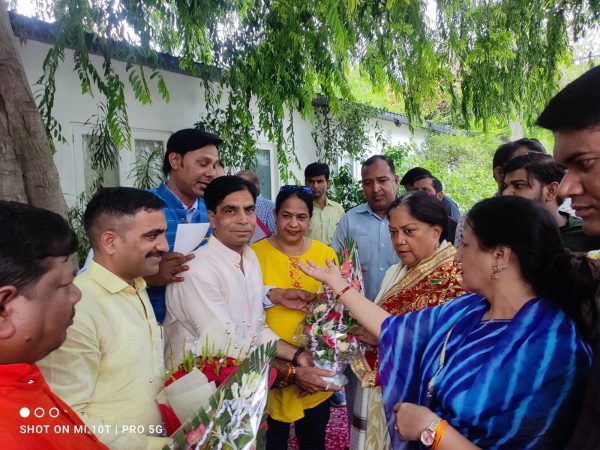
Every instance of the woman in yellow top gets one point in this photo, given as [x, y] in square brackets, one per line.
[277, 256]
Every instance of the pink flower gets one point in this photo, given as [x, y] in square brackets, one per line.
[346, 269]
[195, 435]
[329, 341]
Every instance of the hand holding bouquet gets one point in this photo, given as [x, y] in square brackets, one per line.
[326, 331]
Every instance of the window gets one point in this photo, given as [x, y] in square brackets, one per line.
[110, 176]
[263, 170]
[147, 171]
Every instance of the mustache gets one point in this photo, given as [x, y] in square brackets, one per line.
[155, 253]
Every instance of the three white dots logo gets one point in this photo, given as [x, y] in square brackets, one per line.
[38, 412]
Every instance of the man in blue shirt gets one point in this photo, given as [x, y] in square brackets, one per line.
[367, 224]
[191, 162]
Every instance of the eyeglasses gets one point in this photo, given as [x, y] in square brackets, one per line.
[295, 188]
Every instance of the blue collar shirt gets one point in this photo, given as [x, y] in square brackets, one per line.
[175, 212]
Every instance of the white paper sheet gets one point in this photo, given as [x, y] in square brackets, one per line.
[189, 236]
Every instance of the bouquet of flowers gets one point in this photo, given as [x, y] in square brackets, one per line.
[326, 331]
[190, 386]
[234, 417]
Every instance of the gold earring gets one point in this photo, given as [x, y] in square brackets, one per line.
[495, 272]
[496, 269]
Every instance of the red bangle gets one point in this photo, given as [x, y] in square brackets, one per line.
[343, 291]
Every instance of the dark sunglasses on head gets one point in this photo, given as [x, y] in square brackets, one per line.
[295, 188]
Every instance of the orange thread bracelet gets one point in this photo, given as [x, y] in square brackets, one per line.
[343, 291]
[439, 434]
[290, 370]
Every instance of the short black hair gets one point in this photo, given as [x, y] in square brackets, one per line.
[576, 106]
[411, 175]
[187, 140]
[317, 169]
[373, 159]
[304, 193]
[425, 209]
[437, 184]
[538, 165]
[29, 237]
[112, 203]
[505, 152]
[221, 187]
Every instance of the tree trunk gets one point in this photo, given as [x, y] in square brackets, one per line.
[27, 171]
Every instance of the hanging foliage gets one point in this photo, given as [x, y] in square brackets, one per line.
[346, 134]
[485, 60]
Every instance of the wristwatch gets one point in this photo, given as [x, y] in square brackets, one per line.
[428, 434]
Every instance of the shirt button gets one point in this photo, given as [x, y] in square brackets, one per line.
[381, 268]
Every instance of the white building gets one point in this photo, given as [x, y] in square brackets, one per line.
[152, 124]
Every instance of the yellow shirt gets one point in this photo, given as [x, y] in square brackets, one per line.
[278, 270]
[324, 221]
[111, 365]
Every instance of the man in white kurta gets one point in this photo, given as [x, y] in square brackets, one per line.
[220, 304]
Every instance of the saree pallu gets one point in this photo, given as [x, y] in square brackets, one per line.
[432, 282]
[519, 389]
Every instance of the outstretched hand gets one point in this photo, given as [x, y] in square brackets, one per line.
[330, 274]
[169, 270]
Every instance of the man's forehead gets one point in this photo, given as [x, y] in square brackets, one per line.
[208, 151]
[424, 182]
[376, 170]
[60, 266]
[238, 199]
[516, 174]
[145, 220]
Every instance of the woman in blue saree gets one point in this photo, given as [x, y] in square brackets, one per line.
[503, 367]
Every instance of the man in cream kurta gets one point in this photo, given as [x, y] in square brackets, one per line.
[111, 366]
[217, 303]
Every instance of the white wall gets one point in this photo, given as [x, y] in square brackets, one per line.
[155, 121]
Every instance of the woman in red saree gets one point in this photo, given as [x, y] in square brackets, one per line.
[427, 275]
